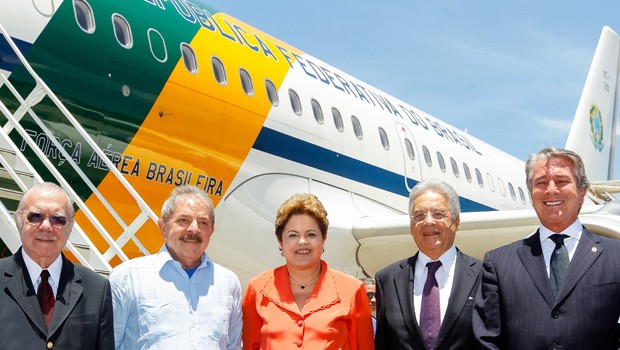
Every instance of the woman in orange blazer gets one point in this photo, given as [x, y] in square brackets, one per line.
[304, 304]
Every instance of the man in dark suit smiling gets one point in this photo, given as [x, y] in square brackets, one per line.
[48, 302]
[559, 288]
[425, 302]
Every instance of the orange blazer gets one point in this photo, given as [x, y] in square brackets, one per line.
[336, 316]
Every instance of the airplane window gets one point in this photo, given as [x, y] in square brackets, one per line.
[219, 71]
[467, 172]
[189, 58]
[385, 142]
[455, 167]
[295, 103]
[157, 45]
[246, 82]
[338, 119]
[357, 127]
[122, 31]
[491, 182]
[502, 189]
[318, 112]
[427, 156]
[442, 163]
[479, 177]
[409, 148]
[512, 192]
[521, 195]
[272, 93]
[84, 16]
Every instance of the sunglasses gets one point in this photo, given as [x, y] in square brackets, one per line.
[38, 218]
[370, 295]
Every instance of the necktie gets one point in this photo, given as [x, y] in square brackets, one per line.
[45, 294]
[558, 264]
[429, 311]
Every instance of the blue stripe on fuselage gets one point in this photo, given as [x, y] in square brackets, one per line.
[299, 151]
[8, 58]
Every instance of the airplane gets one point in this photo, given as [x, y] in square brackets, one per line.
[120, 102]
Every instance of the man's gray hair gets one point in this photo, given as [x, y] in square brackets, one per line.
[44, 186]
[551, 152]
[183, 192]
[367, 281]
[440, 187]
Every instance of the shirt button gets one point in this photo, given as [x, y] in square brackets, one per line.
[300, 323]
[50, 345]
[299, 342]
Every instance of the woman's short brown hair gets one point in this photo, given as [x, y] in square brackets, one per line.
[302, 203]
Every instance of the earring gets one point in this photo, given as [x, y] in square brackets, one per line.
[281, 252]
[323, 250]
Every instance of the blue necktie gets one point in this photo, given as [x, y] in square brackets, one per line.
[430, 313]
[558, 263]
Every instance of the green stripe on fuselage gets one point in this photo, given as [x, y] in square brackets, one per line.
[90, 72]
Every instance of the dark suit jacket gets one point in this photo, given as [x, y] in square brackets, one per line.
[397, 327]
[82, 317]
[515, 310]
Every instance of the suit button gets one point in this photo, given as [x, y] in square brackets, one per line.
[300, 323]
[50, 345]
[555, 314]
[299, 343]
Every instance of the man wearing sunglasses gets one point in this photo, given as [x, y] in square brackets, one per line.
[369, 285]
[426, 301]
[48, 302]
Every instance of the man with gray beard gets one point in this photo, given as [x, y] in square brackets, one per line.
[178, 298]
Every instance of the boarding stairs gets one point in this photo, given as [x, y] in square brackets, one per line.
[17, 174]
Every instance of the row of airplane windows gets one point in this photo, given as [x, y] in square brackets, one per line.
[122, 30]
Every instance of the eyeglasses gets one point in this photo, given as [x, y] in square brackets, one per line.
[420, 215]
[370, 295]
[38, 218]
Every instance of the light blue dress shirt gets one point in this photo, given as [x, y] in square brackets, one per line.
[157, 306]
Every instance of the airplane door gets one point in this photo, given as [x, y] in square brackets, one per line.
[413, 171]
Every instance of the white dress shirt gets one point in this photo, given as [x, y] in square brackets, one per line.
[574, 234]
[34, 270]
[158, 306]
[444, 276]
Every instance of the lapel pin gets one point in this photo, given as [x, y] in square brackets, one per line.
[594, 249]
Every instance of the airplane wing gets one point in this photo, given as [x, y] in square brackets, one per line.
[384, 240]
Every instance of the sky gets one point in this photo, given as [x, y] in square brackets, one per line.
[510, 72]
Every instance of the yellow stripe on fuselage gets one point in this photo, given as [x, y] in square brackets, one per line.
[198, 126]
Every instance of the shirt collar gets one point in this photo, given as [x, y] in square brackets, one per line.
[34, 270]
[164, 257]
[574, 231]
[447, 259]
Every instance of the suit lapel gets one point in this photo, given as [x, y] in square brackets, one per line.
[403, 283]
[464, 279]
[68, 294]
[588, 250]
[532, 258]
[19, 285]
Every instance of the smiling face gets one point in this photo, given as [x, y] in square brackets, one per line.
[302, 242]
[432, 236]
[44, 240]
[188, 230]
[555, 194]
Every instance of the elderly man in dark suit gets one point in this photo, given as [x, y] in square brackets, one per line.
[47, 302]
[426, 301]
[559, 288]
